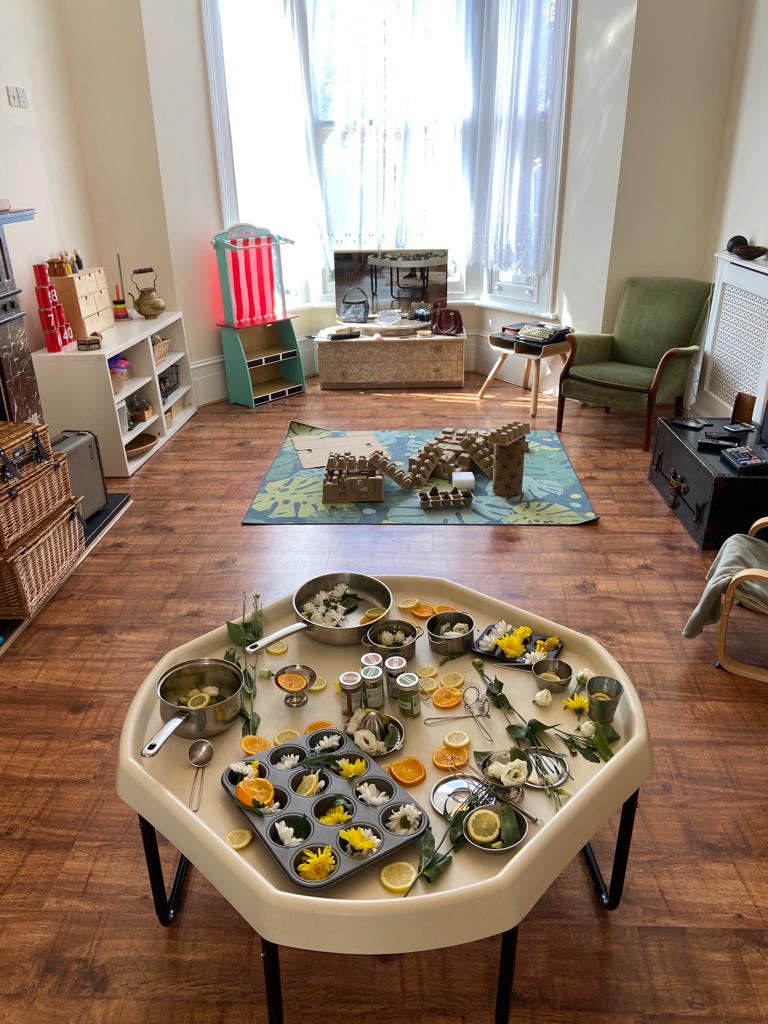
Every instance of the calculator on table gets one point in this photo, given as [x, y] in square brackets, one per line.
[746, 459]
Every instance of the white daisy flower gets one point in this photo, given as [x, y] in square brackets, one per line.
[327, 743]
[404, 820]
[285, 834]
[532, 657]
[288, 761]
[370, 794]
[240, 767]
[387, 639]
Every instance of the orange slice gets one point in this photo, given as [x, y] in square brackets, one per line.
[408, 772]
[249, 791]
[446, 697]
[321, 723]
[254, 744]
[445, 608]
[447, 759]
[422, 611]
[291, 681]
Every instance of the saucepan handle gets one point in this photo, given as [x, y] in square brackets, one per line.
[162, 735]
[265, 641]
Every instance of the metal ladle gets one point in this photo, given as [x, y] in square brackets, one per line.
[200, 753]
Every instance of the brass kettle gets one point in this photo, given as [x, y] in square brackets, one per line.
[148, 303]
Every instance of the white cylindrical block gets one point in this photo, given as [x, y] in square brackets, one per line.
[464, 481]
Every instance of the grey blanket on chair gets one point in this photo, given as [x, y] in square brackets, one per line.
[738, 552]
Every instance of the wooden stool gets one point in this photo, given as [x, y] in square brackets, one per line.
[505, 345]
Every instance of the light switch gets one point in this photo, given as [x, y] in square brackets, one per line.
[21, 92]
[13, 95]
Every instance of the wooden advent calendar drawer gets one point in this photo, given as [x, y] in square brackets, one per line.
[86, 300]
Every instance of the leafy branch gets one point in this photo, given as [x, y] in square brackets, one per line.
[242, 634]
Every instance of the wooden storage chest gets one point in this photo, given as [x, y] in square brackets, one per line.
[710, 499]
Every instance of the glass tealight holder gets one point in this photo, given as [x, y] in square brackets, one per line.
[604, 695]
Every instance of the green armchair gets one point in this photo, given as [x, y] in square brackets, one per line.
[645, 362]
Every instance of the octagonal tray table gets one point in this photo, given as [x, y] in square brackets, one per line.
[478, 896]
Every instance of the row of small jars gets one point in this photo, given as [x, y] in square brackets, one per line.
[375, 680]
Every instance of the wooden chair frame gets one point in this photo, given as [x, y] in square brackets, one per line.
[740, 668]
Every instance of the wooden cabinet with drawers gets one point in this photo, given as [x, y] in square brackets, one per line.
[86, 300]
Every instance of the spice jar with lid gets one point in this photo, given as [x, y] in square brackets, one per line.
[351, 688]
[373, 687]
[408, 696]
[393, 667]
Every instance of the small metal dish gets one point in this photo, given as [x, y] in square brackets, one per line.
[450, 645]
[503, 756]
[554, 667]
[449, 795]
[521, 821]
[406, 650]
[296, 698]
[390, 720]
[554, 764]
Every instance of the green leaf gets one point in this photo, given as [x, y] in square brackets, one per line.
[456, 829]
[392, 737]
[510, 826]
[236, 634]
[302, 829]
[536, 727]
[436, 868]
[610, 733]
[517, 732]
[231, 655]
[516, 754]
[427, 849]
[250, 723]
[480, 756]
[600, 743]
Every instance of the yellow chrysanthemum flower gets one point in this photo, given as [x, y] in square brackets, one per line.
[318, 864]
[357, 839]
[544, 646]
[335, 815]
[350, 769]
[578, 703]
[523, 633]
[511, 645]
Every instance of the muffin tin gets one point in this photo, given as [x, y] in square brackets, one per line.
[293, 807]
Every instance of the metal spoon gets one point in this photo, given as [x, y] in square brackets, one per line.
[200, 753]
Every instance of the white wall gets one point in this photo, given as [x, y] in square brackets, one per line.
[41, 163]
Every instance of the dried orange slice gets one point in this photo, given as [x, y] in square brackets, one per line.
[321, 723]
[408, 772]
[254, 744]
[445, 608]
[291, 681]
[422, 611]
[446, 697]
[447, 759]
[259, 790]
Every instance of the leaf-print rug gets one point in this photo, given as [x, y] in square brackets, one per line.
[552, 493]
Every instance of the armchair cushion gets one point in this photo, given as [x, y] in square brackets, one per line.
[656, 314]
[625, 376]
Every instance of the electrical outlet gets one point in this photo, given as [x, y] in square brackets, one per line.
[13, 95]
[21, 92]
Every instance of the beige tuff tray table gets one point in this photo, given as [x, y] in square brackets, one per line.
[479, 895]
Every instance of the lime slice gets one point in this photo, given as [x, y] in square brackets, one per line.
[285, 736]
[426, 671]
[278, 647]
[238, 838]
[320, 683]
[407, 603]
[484, 826]
[308, 785]
[199, 700]
[454, 679]
[456, 739]
[397, 877]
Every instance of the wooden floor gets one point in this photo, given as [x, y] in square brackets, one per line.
[78, 937]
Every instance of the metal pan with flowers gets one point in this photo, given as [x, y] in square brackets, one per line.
[323, 808]
[517, 646]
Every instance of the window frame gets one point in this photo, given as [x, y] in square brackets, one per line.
[479, 286]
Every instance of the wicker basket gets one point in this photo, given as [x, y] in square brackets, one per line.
[119, 378]
[25, 447]
[24, 507]
[160, 349]
[33, 569]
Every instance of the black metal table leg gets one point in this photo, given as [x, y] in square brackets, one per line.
[271, 956]
[610, 895]
[166, 907]
[506, 977]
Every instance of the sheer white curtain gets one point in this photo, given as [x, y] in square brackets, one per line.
[398, 123]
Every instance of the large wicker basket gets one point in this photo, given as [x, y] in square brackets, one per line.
[25, 506]
[33, 569]
[24, 449]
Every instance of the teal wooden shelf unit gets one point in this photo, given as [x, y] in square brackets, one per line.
[261, 352]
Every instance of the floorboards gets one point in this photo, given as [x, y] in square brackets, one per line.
[78, 938]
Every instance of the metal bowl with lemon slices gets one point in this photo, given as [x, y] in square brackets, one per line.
[495, 828]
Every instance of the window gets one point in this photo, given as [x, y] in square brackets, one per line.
[396, 123]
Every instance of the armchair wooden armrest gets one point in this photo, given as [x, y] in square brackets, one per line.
[666, 359]
[757, 526]
[740, 668]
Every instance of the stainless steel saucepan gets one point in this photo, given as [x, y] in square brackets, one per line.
[371, 592]
[197, 723]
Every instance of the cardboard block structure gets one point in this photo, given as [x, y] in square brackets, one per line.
[435, 499]
[451, 457]
[350, 478]
[509, 448]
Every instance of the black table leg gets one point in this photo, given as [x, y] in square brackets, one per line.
[166, 907]
[507, 955]
[271, 956]
[610, 896]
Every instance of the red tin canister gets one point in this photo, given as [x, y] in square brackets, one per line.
[70, 334]
[61, 316]
[53, 340]
[46, 295]
[40, 271]
[48, 318]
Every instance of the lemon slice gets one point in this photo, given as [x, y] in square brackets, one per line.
[484, 826]
[238, 838]
[454, 679]
[308, 785]
[320, 683]
[199, 700]
[398, 877]
[456, 739]
[426, 671]
[373, 613]
[285, 736]
[429, 685]
[405, 606]
[278, 647]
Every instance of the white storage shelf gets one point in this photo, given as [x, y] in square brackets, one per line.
[76, 388]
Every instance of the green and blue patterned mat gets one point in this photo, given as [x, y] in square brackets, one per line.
[553, 495]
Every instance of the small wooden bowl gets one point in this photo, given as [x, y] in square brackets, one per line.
[749, 252]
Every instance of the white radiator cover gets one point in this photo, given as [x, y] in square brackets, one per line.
[736, 342]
